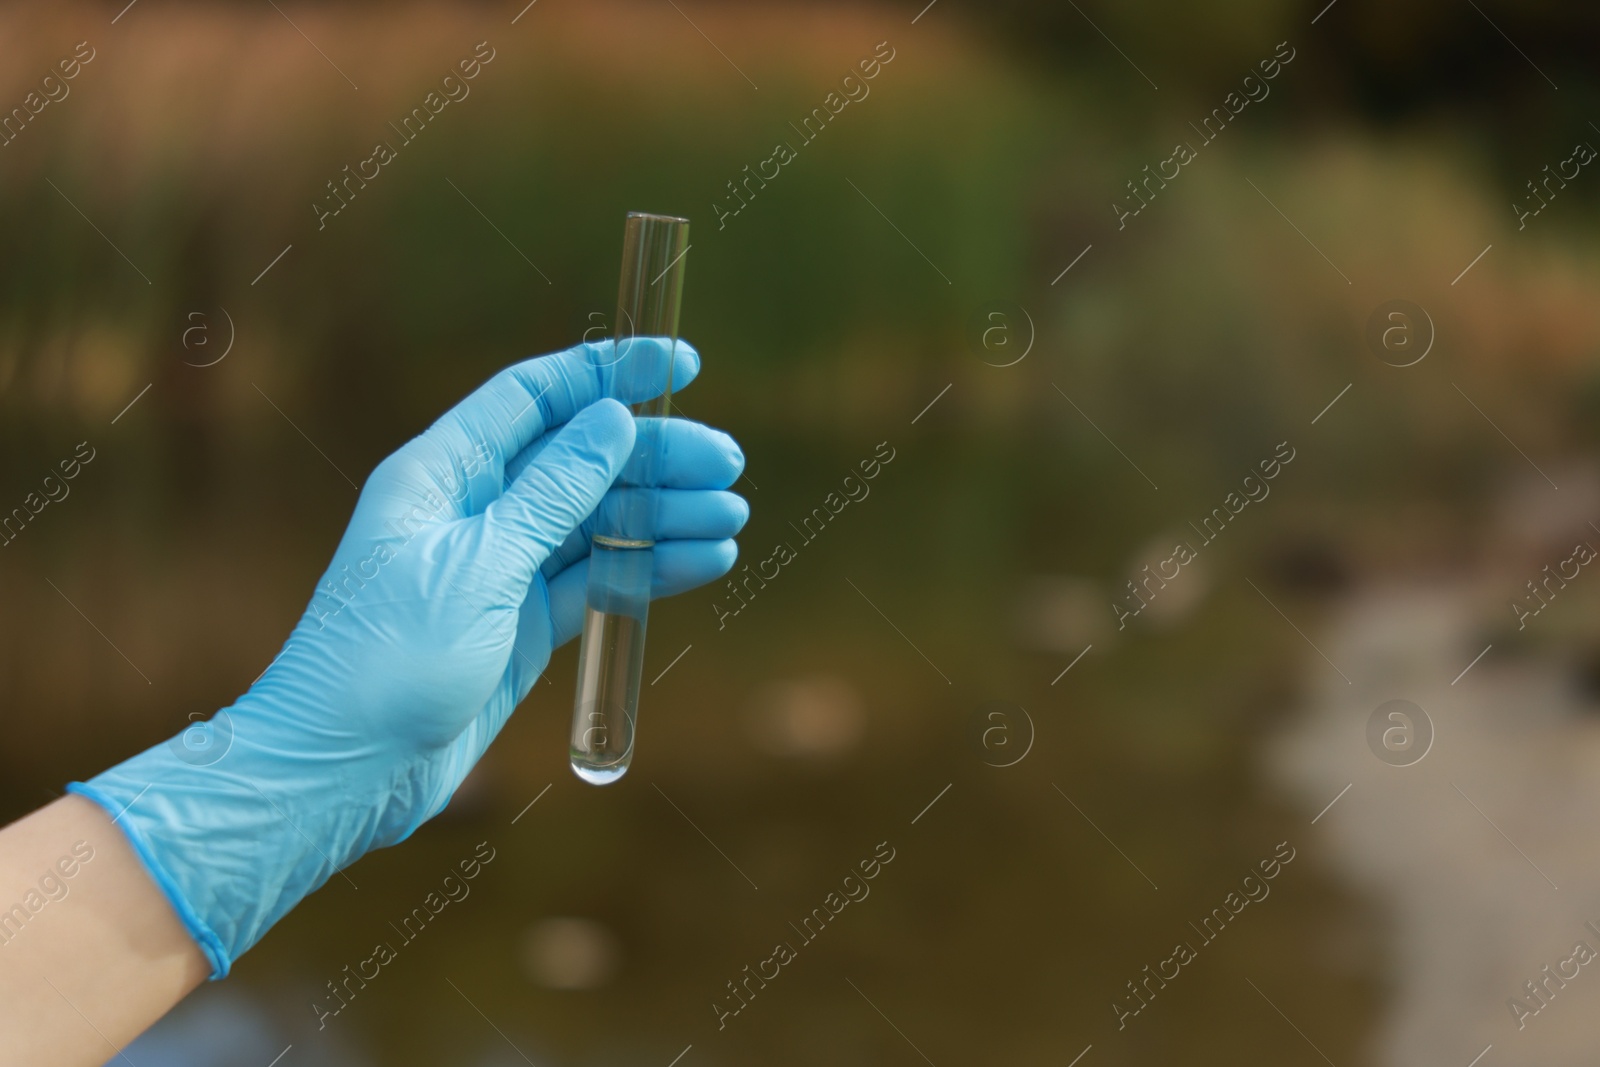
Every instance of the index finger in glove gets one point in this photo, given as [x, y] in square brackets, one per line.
[527, 400]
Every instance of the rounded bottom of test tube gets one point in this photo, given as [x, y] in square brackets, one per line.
[599, 775]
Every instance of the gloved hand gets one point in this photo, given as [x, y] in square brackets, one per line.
[464, 565]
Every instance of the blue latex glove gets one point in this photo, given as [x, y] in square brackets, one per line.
[464, 565]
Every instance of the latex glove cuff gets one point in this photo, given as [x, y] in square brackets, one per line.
[230, 830]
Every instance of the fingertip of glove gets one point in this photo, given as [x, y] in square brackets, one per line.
[731, 456]
[610, 429]
[686, 364]
[608, 408]
[727, 553]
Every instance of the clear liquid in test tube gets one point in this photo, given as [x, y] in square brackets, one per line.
[621, 558]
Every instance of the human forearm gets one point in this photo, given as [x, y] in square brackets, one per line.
[89, 959]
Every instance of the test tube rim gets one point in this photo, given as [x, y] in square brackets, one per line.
[656, 218]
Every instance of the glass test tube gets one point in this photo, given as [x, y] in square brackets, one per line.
[621, 557]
